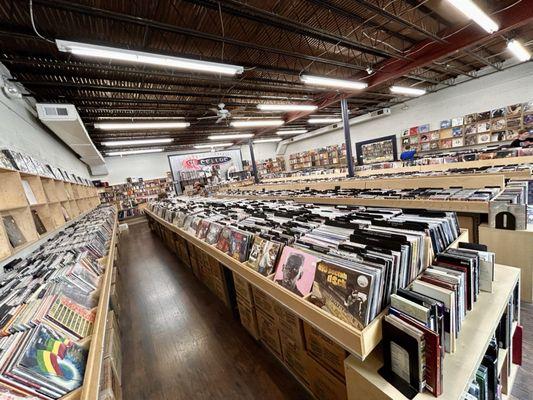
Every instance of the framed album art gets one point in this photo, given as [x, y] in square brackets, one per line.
[377, 150]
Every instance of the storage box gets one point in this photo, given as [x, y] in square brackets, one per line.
[243, 289]
[268, 332]
[323, 384]
[109, 384]
[114, 299]
[248, 318]
[295, 357]
[290, 325]
[112, 322]
[265, 303]
[325, 351]
[113, 353]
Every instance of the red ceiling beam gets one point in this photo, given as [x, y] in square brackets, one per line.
[427, 51]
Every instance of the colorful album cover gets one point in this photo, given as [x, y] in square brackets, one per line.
[446, 144]
[458, 131]
[498, 112]
[424, 146]
[268, 258]
[413, 130]
[446, 133]
[296, 271]
[457, 142]
[54, 359]
[194, 224]
[498, 124]
[435, 135]
[434, 145]
[470, 129]
[528, 119]
[447, 123]
[483, 138]
[483, 127]
[179, 220]
[405, 141]
[344, 292]
[203, 227]
[423, 128]
[413, 139]
[213, 233]
[255, 251]
[482, 116]
[514, 111]
[239, 245]
[224, 239]
[424, 138]
[457, 121]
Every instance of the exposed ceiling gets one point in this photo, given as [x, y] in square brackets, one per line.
[424, 44]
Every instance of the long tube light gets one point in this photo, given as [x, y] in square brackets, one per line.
[407, 90]
[323, 120]
[257, 123]
[268, 140]
[208, 146]
[476, 14]
[331, 82]
[286, 107]
[136, 142]
[518, 50]
[291, 132]
[140, 57]
[231, 136]
[127, 126]
[131, 152]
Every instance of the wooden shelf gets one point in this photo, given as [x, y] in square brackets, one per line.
[364, 381]
[358, 342]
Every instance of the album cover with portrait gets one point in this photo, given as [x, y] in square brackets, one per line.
[296, 271]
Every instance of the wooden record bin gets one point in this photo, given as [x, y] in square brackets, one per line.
[53, 201]
[355, 341]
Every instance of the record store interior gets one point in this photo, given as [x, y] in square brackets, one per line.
[266, 200]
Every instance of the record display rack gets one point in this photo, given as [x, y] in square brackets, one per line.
[357, 342]
[23, 196]
[329, 156]
[364, 381]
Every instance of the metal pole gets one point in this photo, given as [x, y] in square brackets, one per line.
[347, 137]
[254, 166]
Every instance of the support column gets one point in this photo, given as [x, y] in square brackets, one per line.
[347, 137]
[254, 166]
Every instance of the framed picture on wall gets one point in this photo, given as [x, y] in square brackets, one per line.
[382, 149]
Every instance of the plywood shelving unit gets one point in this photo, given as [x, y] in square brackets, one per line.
[355, 341]
[50, 198]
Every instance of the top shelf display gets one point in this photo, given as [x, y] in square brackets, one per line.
[500, 125]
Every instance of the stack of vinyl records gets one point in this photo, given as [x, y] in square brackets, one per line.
[348, 261]
[426, 317]
[47, 303]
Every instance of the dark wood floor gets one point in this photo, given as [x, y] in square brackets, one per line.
[179, 341]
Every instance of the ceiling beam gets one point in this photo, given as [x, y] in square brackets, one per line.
[115, 16]
[384, 13]
[263, 17]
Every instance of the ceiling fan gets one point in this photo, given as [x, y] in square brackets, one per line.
[222, 114]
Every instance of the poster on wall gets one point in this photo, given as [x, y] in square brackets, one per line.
[221, 161]
[377, 150]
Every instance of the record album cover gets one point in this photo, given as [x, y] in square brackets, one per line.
[14, 234]
[423, 128]
[296, 271]
[344, 292]
[224, 239]
[497, 113]
[41, 229]
[447, 123]
[456, 132]
[213, 233]
[239, 245]
[458, 121]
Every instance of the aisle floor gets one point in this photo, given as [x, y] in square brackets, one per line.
[179, 341]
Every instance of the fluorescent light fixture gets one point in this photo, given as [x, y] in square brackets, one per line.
[140, 57]
[135, 142]
[293, 132]
[518, 50]
[231, 136]
[257, 123]
[286, 107]
[131, 152]
[331, 82]
[407, 90]
[208, 146]
[323, 120]
[128, 126]
[476, 14]
[268, 140]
